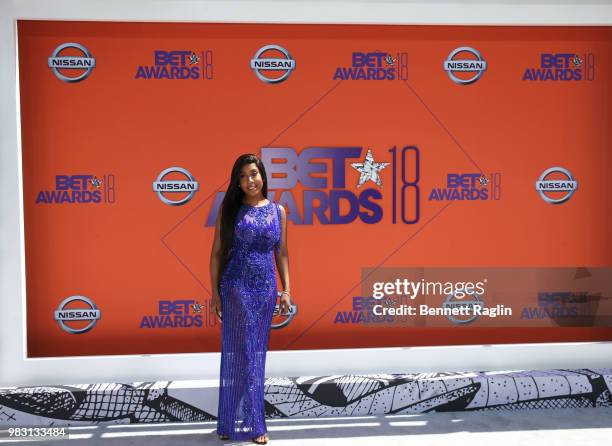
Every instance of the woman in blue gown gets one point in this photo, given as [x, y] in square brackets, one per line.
[250, 237]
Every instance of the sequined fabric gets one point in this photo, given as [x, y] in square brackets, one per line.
[248, 295]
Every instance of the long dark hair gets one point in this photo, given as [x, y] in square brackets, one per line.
[233, 200]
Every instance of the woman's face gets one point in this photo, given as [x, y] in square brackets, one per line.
[251, 182]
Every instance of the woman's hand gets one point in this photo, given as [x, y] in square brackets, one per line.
[215, 304]
[285, 302]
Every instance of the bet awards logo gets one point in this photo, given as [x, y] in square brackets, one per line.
[468, 187]
[374, 66]
[465, 65]
[80, 189]
[71, 62]
[272, 64]
[562, 67]
[346, 187]
[178, 65]
[181, 313]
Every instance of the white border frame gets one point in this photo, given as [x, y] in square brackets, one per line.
[16, 369]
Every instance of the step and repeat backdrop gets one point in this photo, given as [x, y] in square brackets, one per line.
[443, 184]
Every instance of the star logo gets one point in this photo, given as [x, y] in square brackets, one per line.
[194, 59]
[95, 182]
[389, 302]
[197, 307]
[390, 60]
[483, 181]
[369, 170]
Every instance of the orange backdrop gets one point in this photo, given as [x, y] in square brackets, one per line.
[130, 251]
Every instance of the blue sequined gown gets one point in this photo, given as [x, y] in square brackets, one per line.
[248, 295]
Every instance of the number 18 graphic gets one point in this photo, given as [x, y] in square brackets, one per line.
[409, 154]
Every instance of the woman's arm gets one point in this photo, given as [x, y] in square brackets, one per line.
[282, 262]
[215, 261]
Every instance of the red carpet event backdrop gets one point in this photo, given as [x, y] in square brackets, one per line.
[444, 185]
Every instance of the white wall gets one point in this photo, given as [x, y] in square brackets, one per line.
[15, 369]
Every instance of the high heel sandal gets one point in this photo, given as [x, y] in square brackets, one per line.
[259, 441]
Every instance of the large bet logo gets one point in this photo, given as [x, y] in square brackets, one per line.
[313, 185]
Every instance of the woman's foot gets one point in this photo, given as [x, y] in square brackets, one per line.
[223, 437]
[262, 439]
